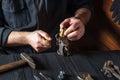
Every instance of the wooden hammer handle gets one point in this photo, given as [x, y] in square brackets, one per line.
[12, 65]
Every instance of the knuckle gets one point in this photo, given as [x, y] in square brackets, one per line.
[38, 49]
[65, 19]
[61, 25]
[77, 35]
[37, 41]
[45, 34]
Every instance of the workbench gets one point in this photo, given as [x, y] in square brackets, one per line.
[51, 64]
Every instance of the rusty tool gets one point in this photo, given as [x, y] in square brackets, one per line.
[25, 59]
[63, 43]
[111, 69]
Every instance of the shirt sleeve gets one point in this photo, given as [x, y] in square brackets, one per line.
[73, 5]
[4, 31]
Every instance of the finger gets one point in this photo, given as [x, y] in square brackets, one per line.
[65, 23]
[76, 35]
[44, 35]
[46, 43]
[72, 28]
[73, 37]
[43, 42]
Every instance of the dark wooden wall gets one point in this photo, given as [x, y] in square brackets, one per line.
[100, 34]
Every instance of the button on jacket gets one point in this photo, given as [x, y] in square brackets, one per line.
[29, 15]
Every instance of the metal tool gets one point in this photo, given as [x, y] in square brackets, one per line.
[84, 76]
[45, 77]
[25, 59]
[110, 69]
[63, 43]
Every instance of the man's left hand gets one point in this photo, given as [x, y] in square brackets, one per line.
[75, 28]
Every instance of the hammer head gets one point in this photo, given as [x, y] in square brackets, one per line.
[28, 59]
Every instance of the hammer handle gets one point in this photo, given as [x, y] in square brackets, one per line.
[12, 65]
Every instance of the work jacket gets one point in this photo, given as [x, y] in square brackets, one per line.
[29, 15]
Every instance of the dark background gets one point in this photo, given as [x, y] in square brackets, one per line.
[100, 33]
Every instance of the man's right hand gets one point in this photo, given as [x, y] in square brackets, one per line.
[38, 39]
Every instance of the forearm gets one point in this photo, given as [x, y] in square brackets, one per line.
[83, 14]
[17, 38]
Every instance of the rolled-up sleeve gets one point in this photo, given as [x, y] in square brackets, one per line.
[4, 31]
[76, 4]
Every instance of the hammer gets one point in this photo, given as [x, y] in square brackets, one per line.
[25, 59]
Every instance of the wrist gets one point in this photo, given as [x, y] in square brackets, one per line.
[83, 14]
[17, 38]
[81, 18]
[25, 38]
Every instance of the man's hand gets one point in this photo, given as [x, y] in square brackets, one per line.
[76, 25]
[75, 28]
[39, 40]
